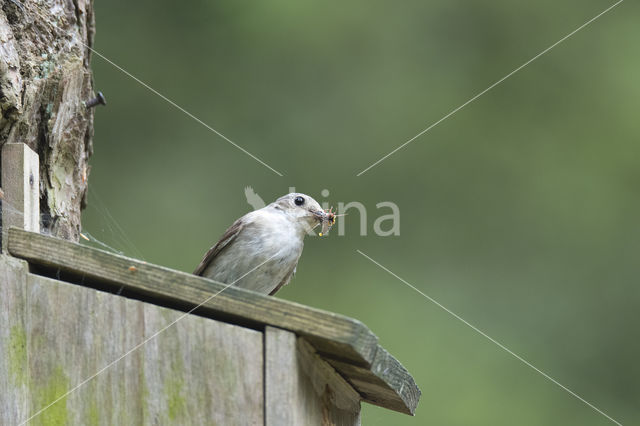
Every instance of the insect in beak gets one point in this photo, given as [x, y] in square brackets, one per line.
[328, 220]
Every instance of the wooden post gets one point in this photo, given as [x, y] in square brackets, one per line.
[21, 187]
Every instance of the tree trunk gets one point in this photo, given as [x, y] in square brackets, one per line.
[44, 80]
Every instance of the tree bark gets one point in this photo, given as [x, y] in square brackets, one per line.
[44, 80]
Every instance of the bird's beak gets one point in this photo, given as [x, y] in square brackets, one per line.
[327, 219]
[319, 214]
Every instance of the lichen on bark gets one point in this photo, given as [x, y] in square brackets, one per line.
[45, 77]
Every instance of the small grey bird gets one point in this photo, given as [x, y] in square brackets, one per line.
[275, 232]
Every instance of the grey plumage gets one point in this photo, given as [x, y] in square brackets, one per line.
[274, 233]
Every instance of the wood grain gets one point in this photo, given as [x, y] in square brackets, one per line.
[55, 335]
[347, 343]
[301, 389]
[386, 383]
[21, 187]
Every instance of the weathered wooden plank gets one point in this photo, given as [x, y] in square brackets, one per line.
[301, 389]
[345, 341]
[14, 405]
[386, 383]
[207, 372]
[55, 335]
[71, 333]
[21, 187]
[344, 337]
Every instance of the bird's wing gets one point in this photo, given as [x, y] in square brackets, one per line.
[226, 238]
[285, 280]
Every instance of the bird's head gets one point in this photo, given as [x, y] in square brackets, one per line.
[303, 209]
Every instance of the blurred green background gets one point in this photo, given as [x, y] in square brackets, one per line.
[519, 213]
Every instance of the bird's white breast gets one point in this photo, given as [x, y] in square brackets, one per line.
[269, 236]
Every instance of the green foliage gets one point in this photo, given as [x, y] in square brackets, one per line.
[519, 212]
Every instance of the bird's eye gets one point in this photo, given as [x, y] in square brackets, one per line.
[299, 201]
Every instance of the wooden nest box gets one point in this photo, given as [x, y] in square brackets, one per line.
[119, 334]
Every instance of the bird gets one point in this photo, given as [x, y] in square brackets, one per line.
[273, 235]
